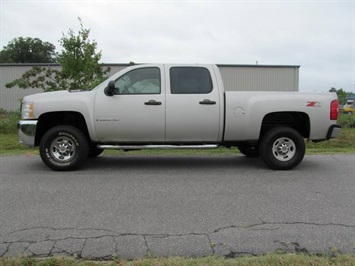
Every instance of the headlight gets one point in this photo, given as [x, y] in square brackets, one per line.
[27, 110]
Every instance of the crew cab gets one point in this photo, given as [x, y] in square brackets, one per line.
[154, 106]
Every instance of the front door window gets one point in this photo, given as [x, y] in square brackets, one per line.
[139, 81]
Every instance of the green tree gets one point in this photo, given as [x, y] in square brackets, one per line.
[28, 50]
[80, 67]
[341, 94]
[45, 78]
[80, 61]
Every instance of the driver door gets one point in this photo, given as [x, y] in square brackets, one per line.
[136, 111]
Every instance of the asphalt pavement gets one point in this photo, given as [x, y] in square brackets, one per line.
[192, 206]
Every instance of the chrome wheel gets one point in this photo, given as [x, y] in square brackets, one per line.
[62, 149]
[284, 149]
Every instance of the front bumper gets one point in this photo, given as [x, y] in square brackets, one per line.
[27, 132]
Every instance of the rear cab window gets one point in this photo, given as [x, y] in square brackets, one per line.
[190, 80]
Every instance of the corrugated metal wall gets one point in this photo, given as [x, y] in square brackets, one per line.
[259, 78]
[235, 78]
[10, 99]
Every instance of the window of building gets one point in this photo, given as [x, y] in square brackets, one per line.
[190, 80]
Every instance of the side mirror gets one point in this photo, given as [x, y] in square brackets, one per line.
[110, 89]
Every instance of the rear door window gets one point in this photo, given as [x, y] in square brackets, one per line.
[190, 80]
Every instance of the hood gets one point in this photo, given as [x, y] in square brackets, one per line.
[60, 101]
[54, 95]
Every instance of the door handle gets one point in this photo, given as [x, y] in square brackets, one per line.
[207, 101]
[152, 102]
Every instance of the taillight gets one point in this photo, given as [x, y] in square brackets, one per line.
[334, 110]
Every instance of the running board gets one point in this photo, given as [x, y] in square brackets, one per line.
[141, 147]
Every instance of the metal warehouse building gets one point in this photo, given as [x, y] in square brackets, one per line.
[235, 78]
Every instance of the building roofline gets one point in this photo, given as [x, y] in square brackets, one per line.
[28, 64]
[51, 64]
[121, 64]
[246, 65]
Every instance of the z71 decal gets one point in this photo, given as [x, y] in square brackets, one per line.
[314, 104]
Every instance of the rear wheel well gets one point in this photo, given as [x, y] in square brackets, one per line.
[49, 120]
[296, 120]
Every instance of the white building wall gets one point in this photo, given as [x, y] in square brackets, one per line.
[235, 78]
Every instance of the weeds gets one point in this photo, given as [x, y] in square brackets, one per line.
[8, 121]
[267, 260]
[346, 120]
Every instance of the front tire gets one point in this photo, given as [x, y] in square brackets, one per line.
[282, 148]
[64, 148]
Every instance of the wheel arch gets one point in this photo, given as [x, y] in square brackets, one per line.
[297, 120]
[49, 120]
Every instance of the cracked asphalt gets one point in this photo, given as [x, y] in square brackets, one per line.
[193, 206]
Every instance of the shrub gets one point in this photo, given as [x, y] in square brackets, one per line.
[347, 121]
[8, 121]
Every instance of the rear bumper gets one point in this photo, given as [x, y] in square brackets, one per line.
[333, 131]
[27, 132]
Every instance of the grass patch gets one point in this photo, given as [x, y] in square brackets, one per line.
[10, 145]
[8, 121]
[267, 260]
[176, 152]
[345, 143]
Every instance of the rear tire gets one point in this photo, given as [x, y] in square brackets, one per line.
[249, 151]
[94, 152]
[64, 148]
[282, 148]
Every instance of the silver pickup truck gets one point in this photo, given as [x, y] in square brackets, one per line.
[174, 106]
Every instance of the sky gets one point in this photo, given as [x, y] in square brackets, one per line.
[317, 35]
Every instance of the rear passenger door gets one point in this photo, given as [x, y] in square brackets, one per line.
[192, 104]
